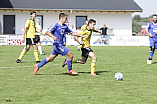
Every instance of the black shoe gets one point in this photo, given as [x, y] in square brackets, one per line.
[43, 53]
[18, 61]
[38, 61]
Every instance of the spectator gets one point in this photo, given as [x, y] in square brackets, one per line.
[104, 34]
[143, 32]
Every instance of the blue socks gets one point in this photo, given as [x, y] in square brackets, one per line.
[69, 63]
[151, 55]
[42, 63]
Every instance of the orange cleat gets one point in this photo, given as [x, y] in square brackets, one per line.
[72, 72]
[35, 69]
[94, 74]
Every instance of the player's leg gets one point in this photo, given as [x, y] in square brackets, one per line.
[43, 62]
[36, 53]
[106, 40]
[102, 37]
[40, 49]
[152, 49]
[25, 49]
[93, 63]
[69, 56]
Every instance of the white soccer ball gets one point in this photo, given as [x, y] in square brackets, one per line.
[118, 76]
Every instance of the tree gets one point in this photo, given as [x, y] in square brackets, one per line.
[137, 18]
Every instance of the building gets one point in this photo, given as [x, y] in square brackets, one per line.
[117, 14]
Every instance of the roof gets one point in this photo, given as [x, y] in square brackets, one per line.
[89, 5]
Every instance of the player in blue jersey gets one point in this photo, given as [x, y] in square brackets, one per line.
[152, 32]
[57, 32]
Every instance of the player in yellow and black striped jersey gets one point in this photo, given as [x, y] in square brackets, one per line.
[29, 34]
[86, 50]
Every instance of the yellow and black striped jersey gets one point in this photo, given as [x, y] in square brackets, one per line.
[30, 32]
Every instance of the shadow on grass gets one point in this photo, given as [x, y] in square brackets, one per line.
[154, 63]
[97, 72]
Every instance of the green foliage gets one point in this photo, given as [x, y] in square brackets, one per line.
[52, 84]
[137, 18]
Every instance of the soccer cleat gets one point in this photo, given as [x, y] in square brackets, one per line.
[18, 61]
[38, 61]
[35, 69]
[64, 63]
[149, 61]
[94, 74]
[42, 53]
[72, 72]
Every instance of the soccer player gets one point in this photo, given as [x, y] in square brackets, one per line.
[57, 32]
[152, 32]
[29, 34]
[86, 50]
[82, 28]
[37, 36]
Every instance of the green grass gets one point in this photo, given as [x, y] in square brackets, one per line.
[52, 84]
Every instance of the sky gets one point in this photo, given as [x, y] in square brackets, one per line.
[149, 7]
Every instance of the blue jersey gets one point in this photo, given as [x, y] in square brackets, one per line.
[59, 31]
[152, 28]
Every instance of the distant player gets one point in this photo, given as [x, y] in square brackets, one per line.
[37, 36]
[57, 32]
[152, 32]
[29, 34]
[86, 50]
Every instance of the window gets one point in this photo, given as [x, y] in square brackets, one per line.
[80, 20]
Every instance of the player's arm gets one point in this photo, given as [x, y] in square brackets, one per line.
[76, 34]
[50, 35]
[39, 31]
[25, 29]
[96, 30]
[76, 38]
[24, 32]
[147, 30]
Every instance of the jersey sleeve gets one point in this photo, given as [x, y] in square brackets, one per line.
[83, 27]
[148, 26]
[52, 29]
[68, 30]
[27, 23]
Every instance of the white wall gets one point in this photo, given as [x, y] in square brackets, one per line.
[120, 22]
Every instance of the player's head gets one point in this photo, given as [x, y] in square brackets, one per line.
[91, 23]
[86, 22]
[67, 23]
[79, 28]
[38, 20]
[104, 25]
[62, 17]
[154, 18]
[33, 14]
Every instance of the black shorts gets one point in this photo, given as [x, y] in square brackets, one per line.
[85, 51]
[37, 38]
[30, 41]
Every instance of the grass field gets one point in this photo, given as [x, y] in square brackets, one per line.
[52, 84]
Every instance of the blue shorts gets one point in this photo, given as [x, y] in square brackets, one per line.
[59, 49]
[153, 43]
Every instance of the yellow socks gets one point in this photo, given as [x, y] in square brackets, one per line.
[22, 54]
[76, 61]
[36, 55]
[93, 64]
